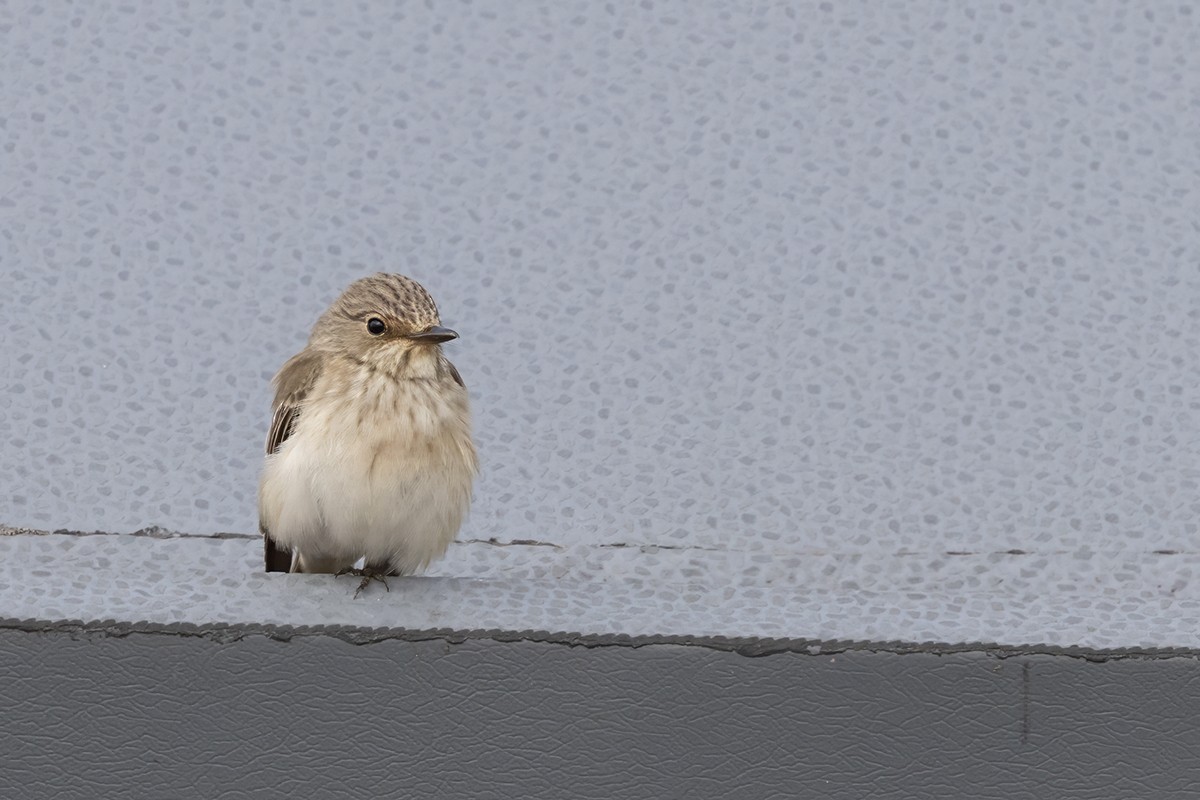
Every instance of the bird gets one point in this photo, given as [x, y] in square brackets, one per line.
[369, 453]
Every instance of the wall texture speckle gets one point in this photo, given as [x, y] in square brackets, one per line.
[847, 281]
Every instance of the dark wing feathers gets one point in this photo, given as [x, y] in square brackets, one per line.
[275, 558]
[292, 386]
[283, 421]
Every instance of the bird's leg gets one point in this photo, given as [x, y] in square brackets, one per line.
[369, 572]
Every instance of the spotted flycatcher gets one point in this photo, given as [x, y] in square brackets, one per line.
[369, 453]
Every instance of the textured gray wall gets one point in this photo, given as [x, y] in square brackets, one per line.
[183, 717]
[818, 277]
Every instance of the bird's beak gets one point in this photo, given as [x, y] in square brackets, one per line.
[435, 335]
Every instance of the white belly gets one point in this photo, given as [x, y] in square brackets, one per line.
[392, 485]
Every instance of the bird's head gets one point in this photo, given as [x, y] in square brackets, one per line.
[386, 321]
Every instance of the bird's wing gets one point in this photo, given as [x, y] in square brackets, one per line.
[292, 386]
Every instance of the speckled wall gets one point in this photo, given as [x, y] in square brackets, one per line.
[860, 278]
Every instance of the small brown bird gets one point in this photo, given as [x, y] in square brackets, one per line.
[369, 453]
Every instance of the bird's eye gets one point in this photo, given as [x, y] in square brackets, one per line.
[375, 326]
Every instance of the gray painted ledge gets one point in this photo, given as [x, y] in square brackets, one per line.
[170, 664]
[1008, 602]
[184, 717]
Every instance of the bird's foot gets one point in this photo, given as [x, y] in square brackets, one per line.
[367, 574]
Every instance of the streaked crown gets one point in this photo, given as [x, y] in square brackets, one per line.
[403, 302]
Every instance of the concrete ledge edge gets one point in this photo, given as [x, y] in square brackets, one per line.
[749, 646]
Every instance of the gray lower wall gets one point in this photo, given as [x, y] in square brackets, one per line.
[159, 715]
